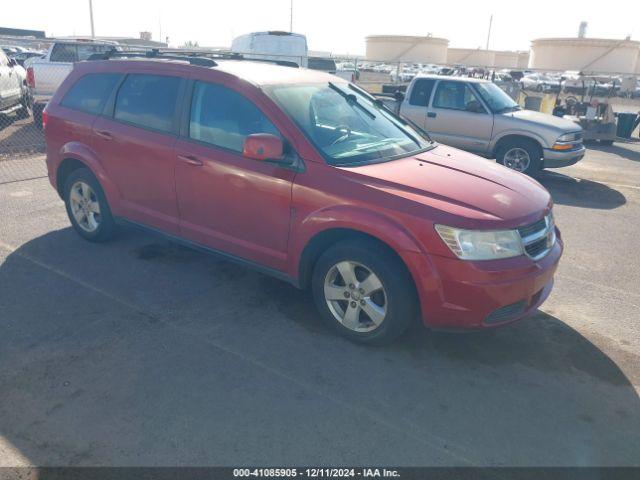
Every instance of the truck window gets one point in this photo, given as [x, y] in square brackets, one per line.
[72, 52]
[148, 101]
[223, 117]
[90, 93]
[453, 95]
[421, 92]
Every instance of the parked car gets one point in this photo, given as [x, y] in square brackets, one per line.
[273, 45]
[540, 83]
[13, 91]
[21, 57]
[45, 74]
[476, 115]
[306, 177]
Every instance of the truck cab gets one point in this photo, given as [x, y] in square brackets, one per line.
[477, 116]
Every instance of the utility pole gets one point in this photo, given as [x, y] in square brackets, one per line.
[489, 34]
[291, 17]
[93, 33]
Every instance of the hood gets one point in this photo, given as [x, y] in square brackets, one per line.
[545, 119]
[470, 191]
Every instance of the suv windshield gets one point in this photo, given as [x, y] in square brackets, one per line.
[347, 126]
[496, 98]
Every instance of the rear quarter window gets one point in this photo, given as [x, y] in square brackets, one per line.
[91, 92]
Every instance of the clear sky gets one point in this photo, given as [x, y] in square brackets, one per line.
[338, 26]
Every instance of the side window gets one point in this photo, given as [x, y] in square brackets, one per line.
[454, 96]
[90, 93]
[64, 52]
[148, 101]
[223, 117]
[421, 92]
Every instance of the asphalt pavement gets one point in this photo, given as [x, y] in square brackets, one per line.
[141, 352]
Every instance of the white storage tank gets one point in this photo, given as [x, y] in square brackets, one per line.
[471, 57]
[584, 54]
[404, 48]
[506, 59]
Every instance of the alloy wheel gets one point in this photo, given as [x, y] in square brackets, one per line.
[355, 296]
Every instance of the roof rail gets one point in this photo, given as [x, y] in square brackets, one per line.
[154, 53]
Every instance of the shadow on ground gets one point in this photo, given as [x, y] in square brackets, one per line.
[621, 149]
[141, 352]
[576, 192]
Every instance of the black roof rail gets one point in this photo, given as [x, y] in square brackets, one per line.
[154, 53]
[194, 57]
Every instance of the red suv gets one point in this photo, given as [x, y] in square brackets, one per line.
[308, 178]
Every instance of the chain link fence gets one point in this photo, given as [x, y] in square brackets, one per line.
[21, 136]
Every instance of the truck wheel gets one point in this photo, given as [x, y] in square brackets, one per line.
[23, 112]
[87, 207]
[522, 155]
[37, 116]
[364, 292]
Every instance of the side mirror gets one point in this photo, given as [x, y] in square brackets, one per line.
[475, 107]
[12, 62]
[263, 146]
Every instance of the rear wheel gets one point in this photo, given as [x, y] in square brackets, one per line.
[87, 207]
[37, 115]
[364, 292]
[522, 155]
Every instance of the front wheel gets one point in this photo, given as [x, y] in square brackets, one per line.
[364, 292]
[87, 207]
[521, 155]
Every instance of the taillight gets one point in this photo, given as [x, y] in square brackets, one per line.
[31, 78]
[45, 117]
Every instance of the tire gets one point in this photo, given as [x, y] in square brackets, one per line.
[397, 296]
[37, 116]
[100, 225]
[24, 110]
[519, 148]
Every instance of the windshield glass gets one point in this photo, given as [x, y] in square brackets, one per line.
[345, 125]
[496, 98]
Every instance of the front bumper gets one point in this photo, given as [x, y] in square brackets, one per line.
[557, 159]
[462, 295]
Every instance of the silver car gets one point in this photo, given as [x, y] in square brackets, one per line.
[477, 116]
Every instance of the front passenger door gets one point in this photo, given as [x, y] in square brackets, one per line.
[457, 117]
[226, 201]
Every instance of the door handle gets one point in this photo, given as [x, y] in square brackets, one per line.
[191, 160]
[432, 114]
[104, 134]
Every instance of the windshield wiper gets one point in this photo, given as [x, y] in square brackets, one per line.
[513, 108]
[351, 99]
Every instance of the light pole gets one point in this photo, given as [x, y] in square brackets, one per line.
[291, 17]
[489, 34]
[93, 33]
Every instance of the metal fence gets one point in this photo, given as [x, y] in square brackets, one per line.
[21, 135]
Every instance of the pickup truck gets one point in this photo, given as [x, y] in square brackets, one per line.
[477, 116]
[44, 75]
[13, 92]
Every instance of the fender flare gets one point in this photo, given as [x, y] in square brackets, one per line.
[82, 153]
[516, 133]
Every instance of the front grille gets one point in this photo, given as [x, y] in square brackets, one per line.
[536, 248]
[533, 228]
[539, 237]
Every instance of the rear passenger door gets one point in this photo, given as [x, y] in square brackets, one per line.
[229, 202]
[9, 84]
[458, 117]
[135, 143]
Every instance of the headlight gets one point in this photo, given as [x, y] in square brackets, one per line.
[481, 245]
[567, 137]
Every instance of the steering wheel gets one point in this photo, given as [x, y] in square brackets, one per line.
[342, 138]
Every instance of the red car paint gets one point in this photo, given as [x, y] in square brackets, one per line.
[267, 215]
